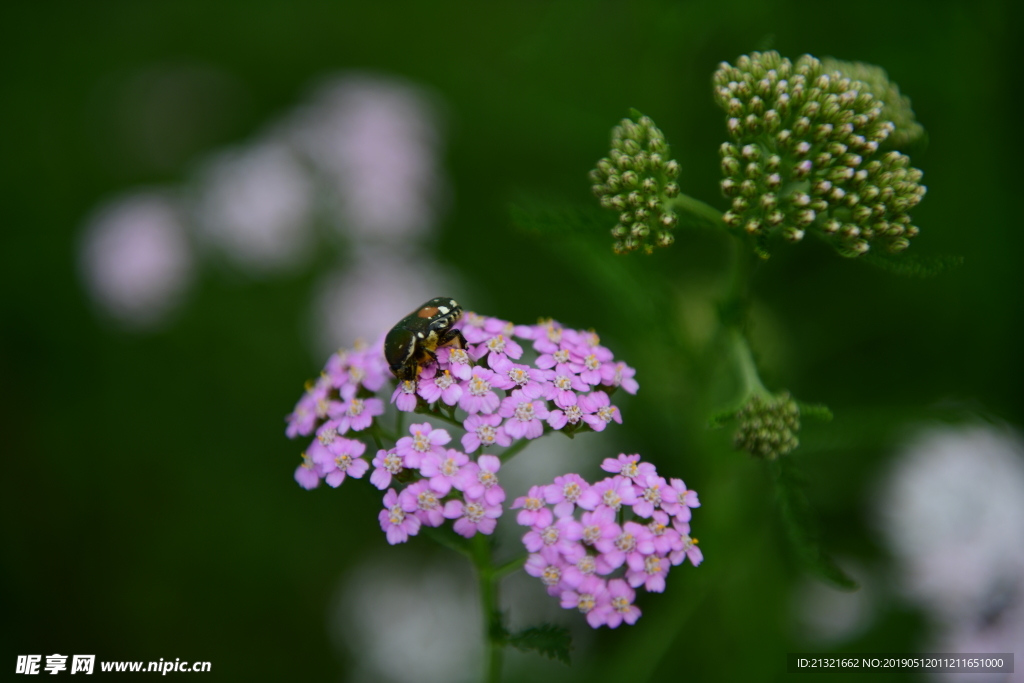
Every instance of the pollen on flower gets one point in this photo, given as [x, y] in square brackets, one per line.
[552, 575]
[611, 499]
[355, 407]
[427, 500]
[393, 463]
[327, 436]
[585, 602]
[396, 514]
[533, 503]
[524, 411]
[562, 355]
[420, 442]
[652, 564]
[474, 512]
[550, 535]
[478, 386]
[607, 413]
[626, 542]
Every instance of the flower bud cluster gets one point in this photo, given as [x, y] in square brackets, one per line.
[567, 387]
[897, 106]
[637, 181]
[593, 563]
[768, 426]
[805, 153]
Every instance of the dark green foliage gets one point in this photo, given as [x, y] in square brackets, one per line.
[554, 642]
[914, 265]
[801, 529]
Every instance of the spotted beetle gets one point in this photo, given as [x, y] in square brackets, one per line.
[411, 343]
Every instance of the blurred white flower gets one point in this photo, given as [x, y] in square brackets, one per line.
[376, 141]
[255, 204]
[405, 620]
[366, 299]
[829, 615]
[952, 511]
[135, 258]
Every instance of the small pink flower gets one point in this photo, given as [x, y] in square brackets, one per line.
[387, 464]
[394, 521]
[621, 604]
[446, 471]
[477, 394]
[598, 410]
[563, 535]
[628, 466]
[482, 480]
[457, 362]
[425, 439]
[653, 492]
[599, 525]
[619, 375]
[549, 566]
[524, 415]
[613, 492]
[648, 571]
[534, 513]
[689, 551]
[665, 538]
[404, 396]
[564, 493]
[591, 595]
[423, 502]
[484, 430]
[439, 385]
[634, 541]
[472, 516]
[307, 474]
[572, 415]
[358, 414]
[564, 388]
[344, 461]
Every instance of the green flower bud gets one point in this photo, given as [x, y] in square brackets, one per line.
[768, 426]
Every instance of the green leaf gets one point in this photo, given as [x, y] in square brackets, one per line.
[554, 642]
[533, 215]
[800, 524]
[913, 265]
[819, 411]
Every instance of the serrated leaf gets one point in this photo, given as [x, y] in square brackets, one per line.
[560, 219]
[913, 265]
[554, 642]
[800, 525]
[818, 411]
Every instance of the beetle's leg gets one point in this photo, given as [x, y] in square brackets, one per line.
[449, 336]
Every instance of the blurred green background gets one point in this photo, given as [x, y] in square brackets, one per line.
[148, 503]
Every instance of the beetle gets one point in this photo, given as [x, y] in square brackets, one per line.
[412, 342]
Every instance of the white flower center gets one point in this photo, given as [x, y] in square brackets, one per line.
[396, 515]
[343, 461]
[533, 504]
[487, 434]
[393, 463]
[626, 542]
[592, 362]
[620, 604]
[478, 386]
[488, 479]
[497, 344]
[519, 376]
[326, 436]
[564, 383]
[586, 602]
[652, 564]
[573, 414]
[524, 411]
[355, 407]
[449, 468]
[444, 381]
[611, 499]
[561, 356]
[420, 442]
[572, 491]
[427, 500]
[552, 575]
[587, 565]
[550, 535]
[653, 495]
[607, 413]
[591, 534]
[474, 512]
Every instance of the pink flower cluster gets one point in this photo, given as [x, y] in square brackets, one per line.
[567, 387]
[575, 558]
[450, 486]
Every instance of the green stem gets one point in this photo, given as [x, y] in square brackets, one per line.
[494, 636]
[512, 450]
[696, 213]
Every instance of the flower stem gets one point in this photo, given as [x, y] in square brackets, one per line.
[512, 450]
[494, 632]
